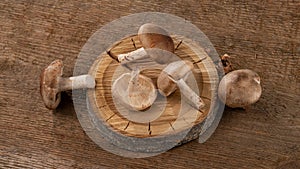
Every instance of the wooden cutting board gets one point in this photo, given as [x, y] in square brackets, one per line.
[169, 116]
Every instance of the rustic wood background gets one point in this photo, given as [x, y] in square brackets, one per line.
[261, 35]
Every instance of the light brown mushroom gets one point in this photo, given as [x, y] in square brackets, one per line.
[134, 91]
[240, 88]
[157, 44]
[173, 76]
[52, 83]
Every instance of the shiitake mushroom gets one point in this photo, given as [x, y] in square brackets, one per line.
[134, 90]
[240, 88]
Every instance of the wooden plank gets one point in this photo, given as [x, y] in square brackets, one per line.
[260, 35]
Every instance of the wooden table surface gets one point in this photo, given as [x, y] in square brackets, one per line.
[261, 35]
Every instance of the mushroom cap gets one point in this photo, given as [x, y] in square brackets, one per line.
[134, 93]
[49, 84]
[165, 85]
[240, 88]
[153, 38]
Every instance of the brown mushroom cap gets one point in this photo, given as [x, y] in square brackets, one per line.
[49, 84]
[240, 88]
[152, 38]
[165, 85]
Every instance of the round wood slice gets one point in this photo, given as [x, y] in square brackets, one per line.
[169, 124]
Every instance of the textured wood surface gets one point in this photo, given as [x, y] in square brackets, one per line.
[105, 72]
[260, 35]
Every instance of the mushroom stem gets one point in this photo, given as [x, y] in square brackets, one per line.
[76, 82]
[193, 97]
[131, 56]
[134, 75]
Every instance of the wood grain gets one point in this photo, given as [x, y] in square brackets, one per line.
[171, 118]
[260, 35]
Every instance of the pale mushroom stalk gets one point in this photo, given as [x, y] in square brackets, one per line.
[76, 82]
[52, 83]
[134, 75]
[131, 56]
[192, 96]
